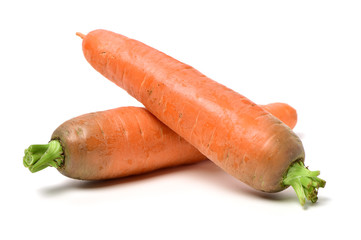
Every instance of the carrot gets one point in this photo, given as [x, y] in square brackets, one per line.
[229, 129]
[284, 112]
[118, 142]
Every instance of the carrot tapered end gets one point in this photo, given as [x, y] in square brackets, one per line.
[80, 35]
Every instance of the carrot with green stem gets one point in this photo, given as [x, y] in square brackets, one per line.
[228, 128]
[119, 142]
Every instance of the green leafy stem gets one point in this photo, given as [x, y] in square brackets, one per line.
[304, 182]
[39, 156]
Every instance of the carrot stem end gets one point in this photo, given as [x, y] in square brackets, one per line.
[39, 156]
[304, 182]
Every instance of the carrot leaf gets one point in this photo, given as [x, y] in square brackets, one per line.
[39, 156]
[304, 182]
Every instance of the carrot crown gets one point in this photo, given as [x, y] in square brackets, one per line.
[39, 156]
[304, 182]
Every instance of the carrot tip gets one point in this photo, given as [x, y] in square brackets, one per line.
[37, 157]
[80, 35]
[304, 182]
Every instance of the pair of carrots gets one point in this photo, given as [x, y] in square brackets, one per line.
[189, 118]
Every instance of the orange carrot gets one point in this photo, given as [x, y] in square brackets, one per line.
[284, 112]
[229, 129]
[116, 143]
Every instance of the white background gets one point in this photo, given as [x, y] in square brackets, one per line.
[304, 53]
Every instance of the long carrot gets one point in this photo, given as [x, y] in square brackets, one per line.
[119, 142]
[229, 129]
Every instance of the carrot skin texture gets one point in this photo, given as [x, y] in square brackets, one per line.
[232, 131]
[125, 141]
[120, 142]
